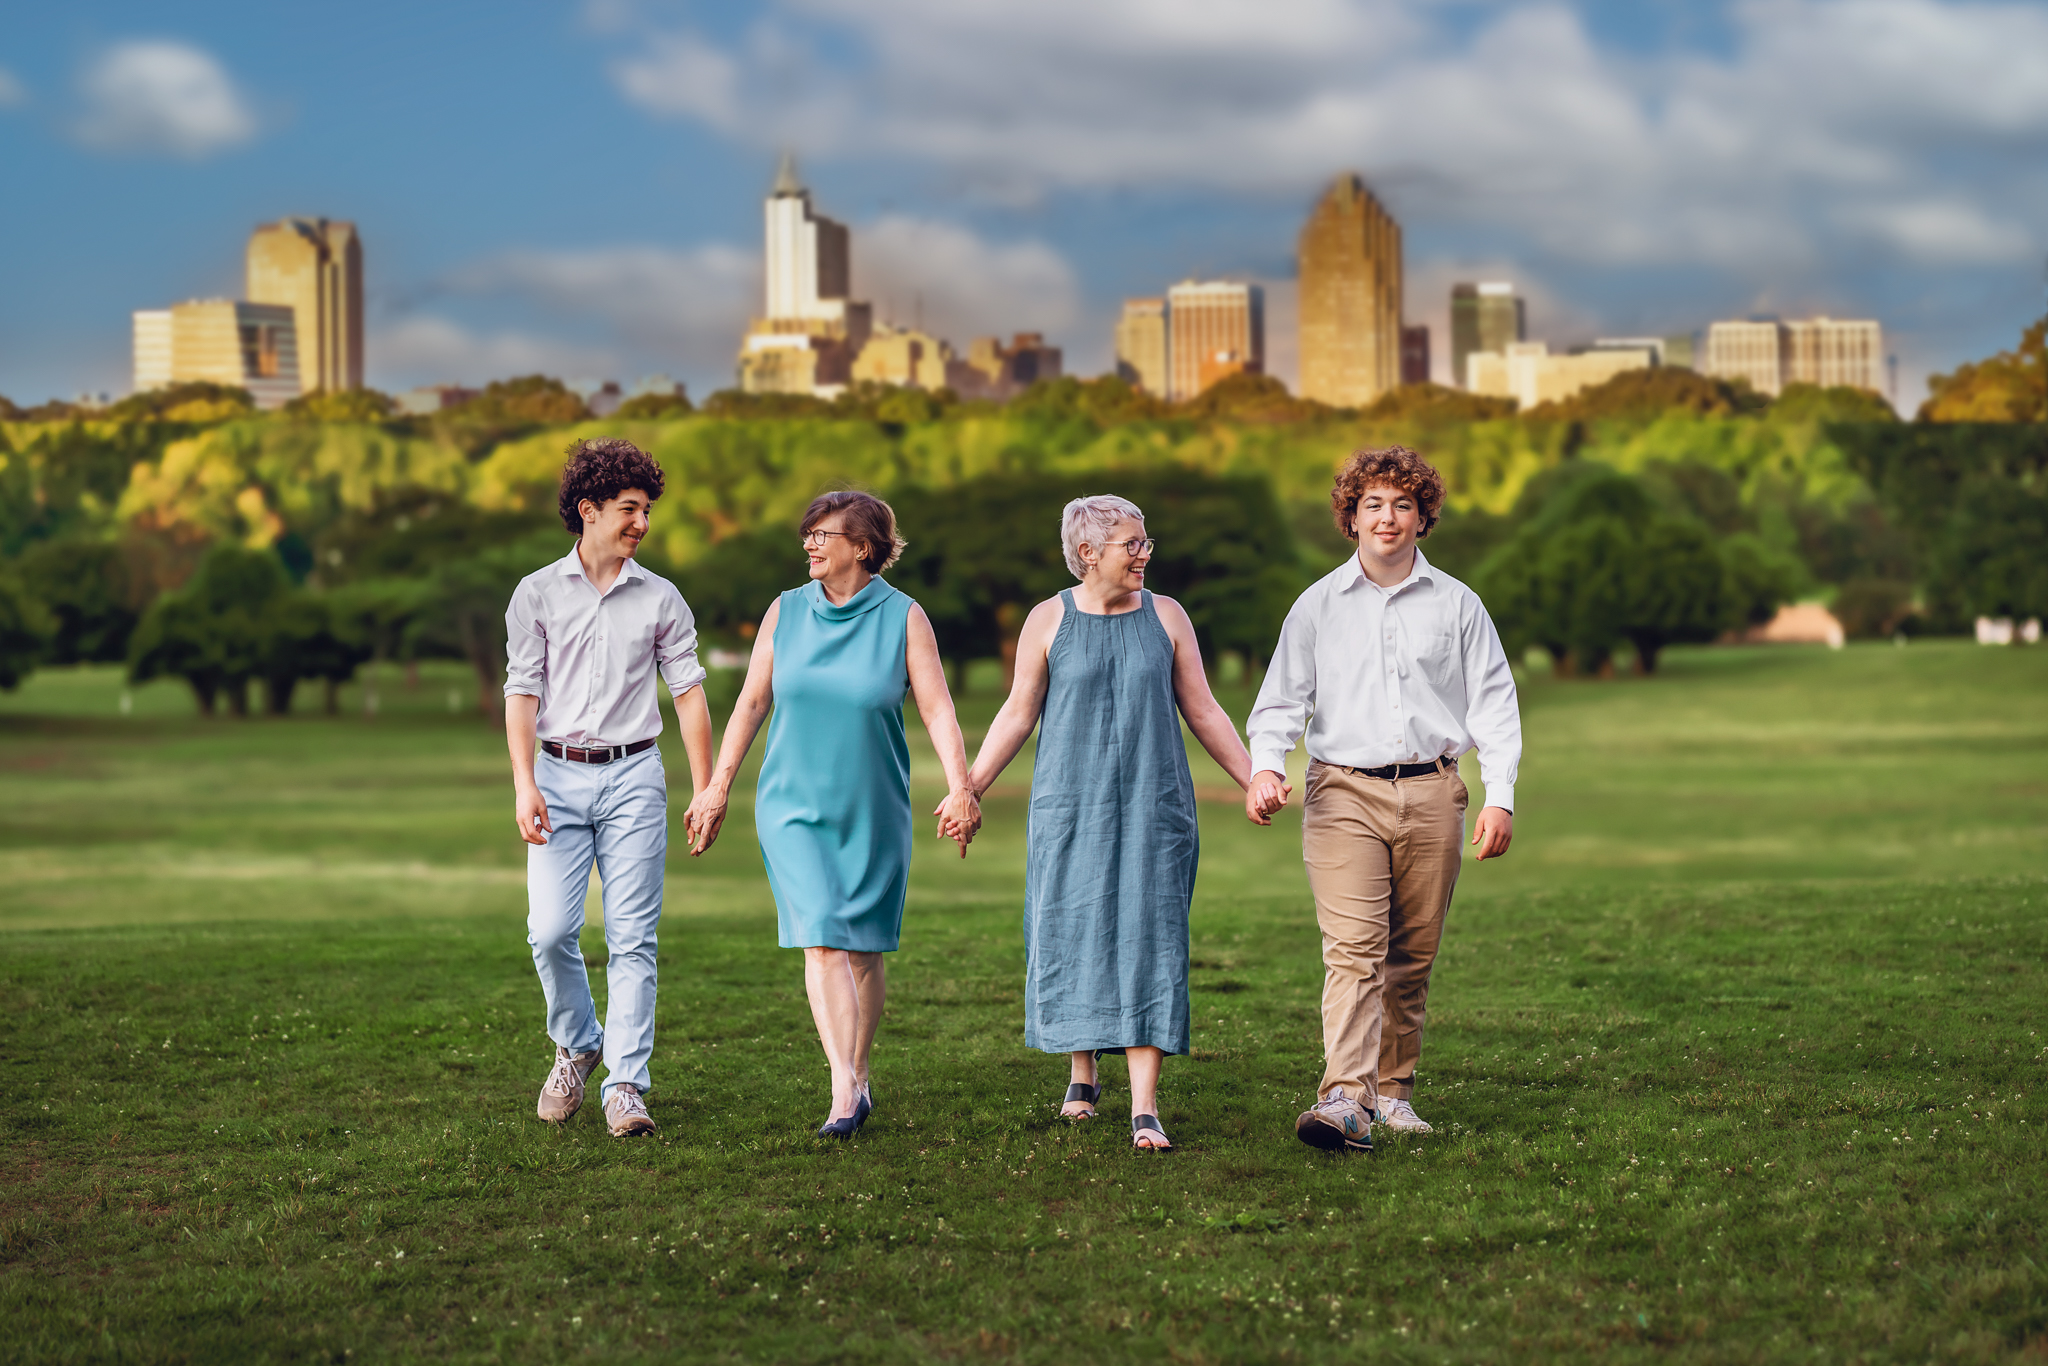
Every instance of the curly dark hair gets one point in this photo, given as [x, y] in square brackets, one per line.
[1395, 465]
[868, 519]
[600, 469]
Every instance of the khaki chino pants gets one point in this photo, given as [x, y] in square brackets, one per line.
[1383, 857]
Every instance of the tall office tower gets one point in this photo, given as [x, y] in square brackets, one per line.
[811, 332]
[249, 346]
[1214, 326]
[1350, 311]
[1141, 345]
[314, 266]
[1484, 317]
[1415, 354]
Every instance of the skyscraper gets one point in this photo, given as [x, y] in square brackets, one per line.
[1484, 317]
[1215, 326]
[810, 333]
[1415, 354]
[314, 266]
[1141, 345]
[1824, 351]
[1350, 320]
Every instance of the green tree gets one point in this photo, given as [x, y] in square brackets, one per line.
[1436, 404]
[1677, 588]
[464, 612]
[24, 629]
[2011, 386]
[211, 632]
[302, 638]
[505, 409]
[1760, 578]
[90, 593]
[1995, 554]
[196, 401]
[342, 405]
[1648, 394]
[653, 408]
[738, 403]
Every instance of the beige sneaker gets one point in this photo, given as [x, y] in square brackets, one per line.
[1337, 1121]
[1400, 1116]
[626, 1112]
[561, 1095]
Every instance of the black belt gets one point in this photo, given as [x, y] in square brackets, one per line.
[604, 755]
[1391, 771]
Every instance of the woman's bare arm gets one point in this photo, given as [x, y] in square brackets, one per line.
[757, 698]
[1019, 717]
[960, 813]
[1205, 715]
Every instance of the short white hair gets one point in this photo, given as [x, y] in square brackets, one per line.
[1086, 521]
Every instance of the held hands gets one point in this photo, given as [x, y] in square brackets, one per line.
[703, 819]
[1267, 793]
[1493, 831]
[959, 817]
[530, 814]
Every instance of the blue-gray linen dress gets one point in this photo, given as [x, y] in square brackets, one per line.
[1112, 843]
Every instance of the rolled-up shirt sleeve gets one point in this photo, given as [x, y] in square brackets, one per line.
[526, 644]
[675, 647]
[1288, 695]
[1493, 713]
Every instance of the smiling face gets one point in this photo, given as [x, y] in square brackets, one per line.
[617, 527]
[832, 552]
[1387, 522]
[1111, 566]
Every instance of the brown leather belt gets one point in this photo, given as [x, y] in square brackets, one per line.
[607, 755]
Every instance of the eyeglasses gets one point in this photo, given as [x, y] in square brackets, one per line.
[818, 537]
[1135, 547]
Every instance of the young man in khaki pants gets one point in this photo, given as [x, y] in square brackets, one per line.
[1394, 670]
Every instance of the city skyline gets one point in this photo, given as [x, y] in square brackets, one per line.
[570, 190]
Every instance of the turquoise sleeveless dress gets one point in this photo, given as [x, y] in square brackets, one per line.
[833, 806]
[1112, 845]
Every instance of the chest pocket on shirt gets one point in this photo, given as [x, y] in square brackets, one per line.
[1437, 655]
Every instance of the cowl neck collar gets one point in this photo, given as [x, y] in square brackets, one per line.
[872, 595]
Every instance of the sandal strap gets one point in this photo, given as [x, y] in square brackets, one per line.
[1083, 1092]
[1139, 1123]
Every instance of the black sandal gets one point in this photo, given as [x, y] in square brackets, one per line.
[1086, 1094]
[1140, 1123]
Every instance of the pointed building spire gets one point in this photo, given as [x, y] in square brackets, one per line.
[786, 182]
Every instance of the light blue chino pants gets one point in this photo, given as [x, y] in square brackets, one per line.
[616, 815]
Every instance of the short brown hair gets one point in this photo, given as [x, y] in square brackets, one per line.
[601, 469]
[868, 519]
[1394, 465]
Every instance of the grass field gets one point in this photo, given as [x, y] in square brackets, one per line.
[1736, 1057]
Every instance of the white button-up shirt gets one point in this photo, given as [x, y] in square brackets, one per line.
[1397, 675]
[590, 657]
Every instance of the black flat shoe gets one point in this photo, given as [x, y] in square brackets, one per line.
[1140, 1123]
[1086, 1094]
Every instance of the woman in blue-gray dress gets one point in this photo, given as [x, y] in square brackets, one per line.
[834, 660]
[1105, 671]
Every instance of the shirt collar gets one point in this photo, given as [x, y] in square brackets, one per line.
[1354, 574]
[572, 565]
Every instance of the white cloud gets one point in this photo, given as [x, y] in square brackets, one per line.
[426, 349]
[962, 286]
[1747, 161]
[162, 96]
[12, 91]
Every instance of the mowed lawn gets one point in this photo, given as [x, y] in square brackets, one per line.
[1737, 1056]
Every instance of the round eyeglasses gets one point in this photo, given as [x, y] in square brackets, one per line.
[815, 537]
[1136, 547]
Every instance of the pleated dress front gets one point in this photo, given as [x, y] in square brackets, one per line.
[1112, 845]
[833, 806]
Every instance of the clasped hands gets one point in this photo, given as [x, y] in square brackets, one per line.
[959, 817]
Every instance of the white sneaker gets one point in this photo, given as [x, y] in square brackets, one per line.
[1400, 1116]
[627, 1113]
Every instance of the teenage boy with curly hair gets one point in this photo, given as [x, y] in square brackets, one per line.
[1394, 669]
[585, 637]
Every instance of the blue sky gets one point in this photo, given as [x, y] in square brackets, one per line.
[575, 187]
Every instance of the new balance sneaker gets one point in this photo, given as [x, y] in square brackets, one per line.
[1400, 1116]
[626, 1112]
[1336, 1122]
[561, 1095]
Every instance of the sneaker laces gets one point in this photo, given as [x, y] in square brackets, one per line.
[1334, 1102]
[626, 1099]
[1392, 1105]
[566, 1076]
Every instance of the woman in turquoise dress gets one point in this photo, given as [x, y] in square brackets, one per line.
[833, 660]
[1105, 672]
